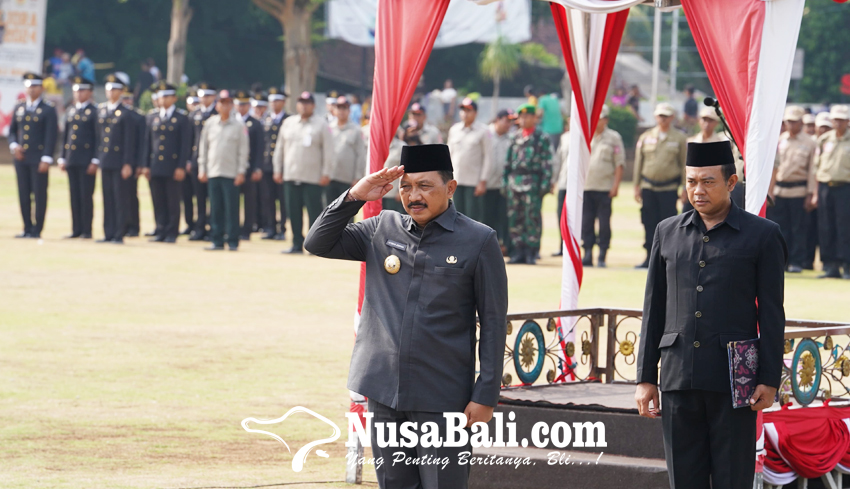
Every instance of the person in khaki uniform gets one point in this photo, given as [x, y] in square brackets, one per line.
[659, 170]
[471, 149]
[302, 161]
[809, 124]
[223, 152]
[607, 159]
[495, 204]
[832, 172]
[561, 169]
[418, 121]
[793, 188]
[350, 152]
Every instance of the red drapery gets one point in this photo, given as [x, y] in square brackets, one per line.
[812, 440]
[405, 31]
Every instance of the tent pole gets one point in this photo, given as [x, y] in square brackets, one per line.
[656, 51]
[674, 53]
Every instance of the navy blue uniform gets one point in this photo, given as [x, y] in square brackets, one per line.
[197, 118]
[271, 193]
[78, 152]
[116, 148]
[168, 144]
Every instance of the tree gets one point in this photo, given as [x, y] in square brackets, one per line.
[300, 61]
[501, 60]
[181, 15]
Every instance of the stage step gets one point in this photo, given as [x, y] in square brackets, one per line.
[578, 470]
[626, 433]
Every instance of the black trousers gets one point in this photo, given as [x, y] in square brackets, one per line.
[562, 196]
[399, 475]
[298, 196]
[165, 193]
[834, 225]
[199, 188]
[790, 214]
[333, 190]
[31, 185]
[597, 206]
[812, 239]
[495, 213]
[271, 194]
[249, 190]
[657, 206]
[81, 185]
[188, 194]
[132, 186]
[468, 204]
[707, 443]
[224, 211]
[116, 203]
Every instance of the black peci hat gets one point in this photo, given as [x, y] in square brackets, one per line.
[426, 157]
[710, 154]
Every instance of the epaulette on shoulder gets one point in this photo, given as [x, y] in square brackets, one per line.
[152, 111]
[182, 111]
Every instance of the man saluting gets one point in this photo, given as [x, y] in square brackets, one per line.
[715, 276]
[427, 275]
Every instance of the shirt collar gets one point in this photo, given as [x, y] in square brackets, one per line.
[165, 113]
[733, 219]
[34, 102]
[446, 220]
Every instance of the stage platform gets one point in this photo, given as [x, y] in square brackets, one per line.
[633, 457]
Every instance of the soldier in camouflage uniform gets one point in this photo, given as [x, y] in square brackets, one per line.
[527, 178]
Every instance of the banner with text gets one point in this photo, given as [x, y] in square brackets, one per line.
[21, 50]
[353, 21]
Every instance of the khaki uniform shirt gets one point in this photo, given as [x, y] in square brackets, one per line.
[223, 147]
[606, 154]
[471, 151]
[499, 158]
[660, 159]
[394, 159]
[350, 153]
[796, 159]
[430, 134]
[833, 160]
[716, 138]
[563, 156]
[305, 150]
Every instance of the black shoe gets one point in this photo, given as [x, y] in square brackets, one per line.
[245, 237]
[295, 250]
[601, 264]
[518, 258]
[268, 236]
[531, 257]
[131, 234]
[170, 239]
[831, 272]
[587, 261]
[214, 248]
[846, 275]
[280, 236]
[117, 241]
[795, 269]
[233, 248]
[808, 266]
[157, 239]
[22, 235]
[186, 231]
[86, 236]
[104, 240]
[207, 238]
[195, 236]
[559, 253]
[72, 236]
[150, 234]
[645, 264]
[35, 236]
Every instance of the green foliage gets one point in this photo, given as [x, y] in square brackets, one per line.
[500, 59]
[623, 121]
[823, 35]
[536, 54]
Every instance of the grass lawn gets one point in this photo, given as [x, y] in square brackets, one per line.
[133, 366]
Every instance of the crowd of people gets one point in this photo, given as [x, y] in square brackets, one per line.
[232, 143]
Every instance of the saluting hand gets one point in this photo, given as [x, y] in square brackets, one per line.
[377, 185]
[763, 397]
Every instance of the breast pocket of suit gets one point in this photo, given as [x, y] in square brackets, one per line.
[445, 285]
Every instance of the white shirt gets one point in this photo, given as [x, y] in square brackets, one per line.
[166, 113]
[31, 105]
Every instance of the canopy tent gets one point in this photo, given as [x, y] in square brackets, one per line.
[748, 56]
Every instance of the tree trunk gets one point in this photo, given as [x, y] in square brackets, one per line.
[181, 14]
[300, 61]
[495, 102]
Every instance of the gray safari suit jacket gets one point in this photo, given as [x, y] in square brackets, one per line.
[415, 347]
